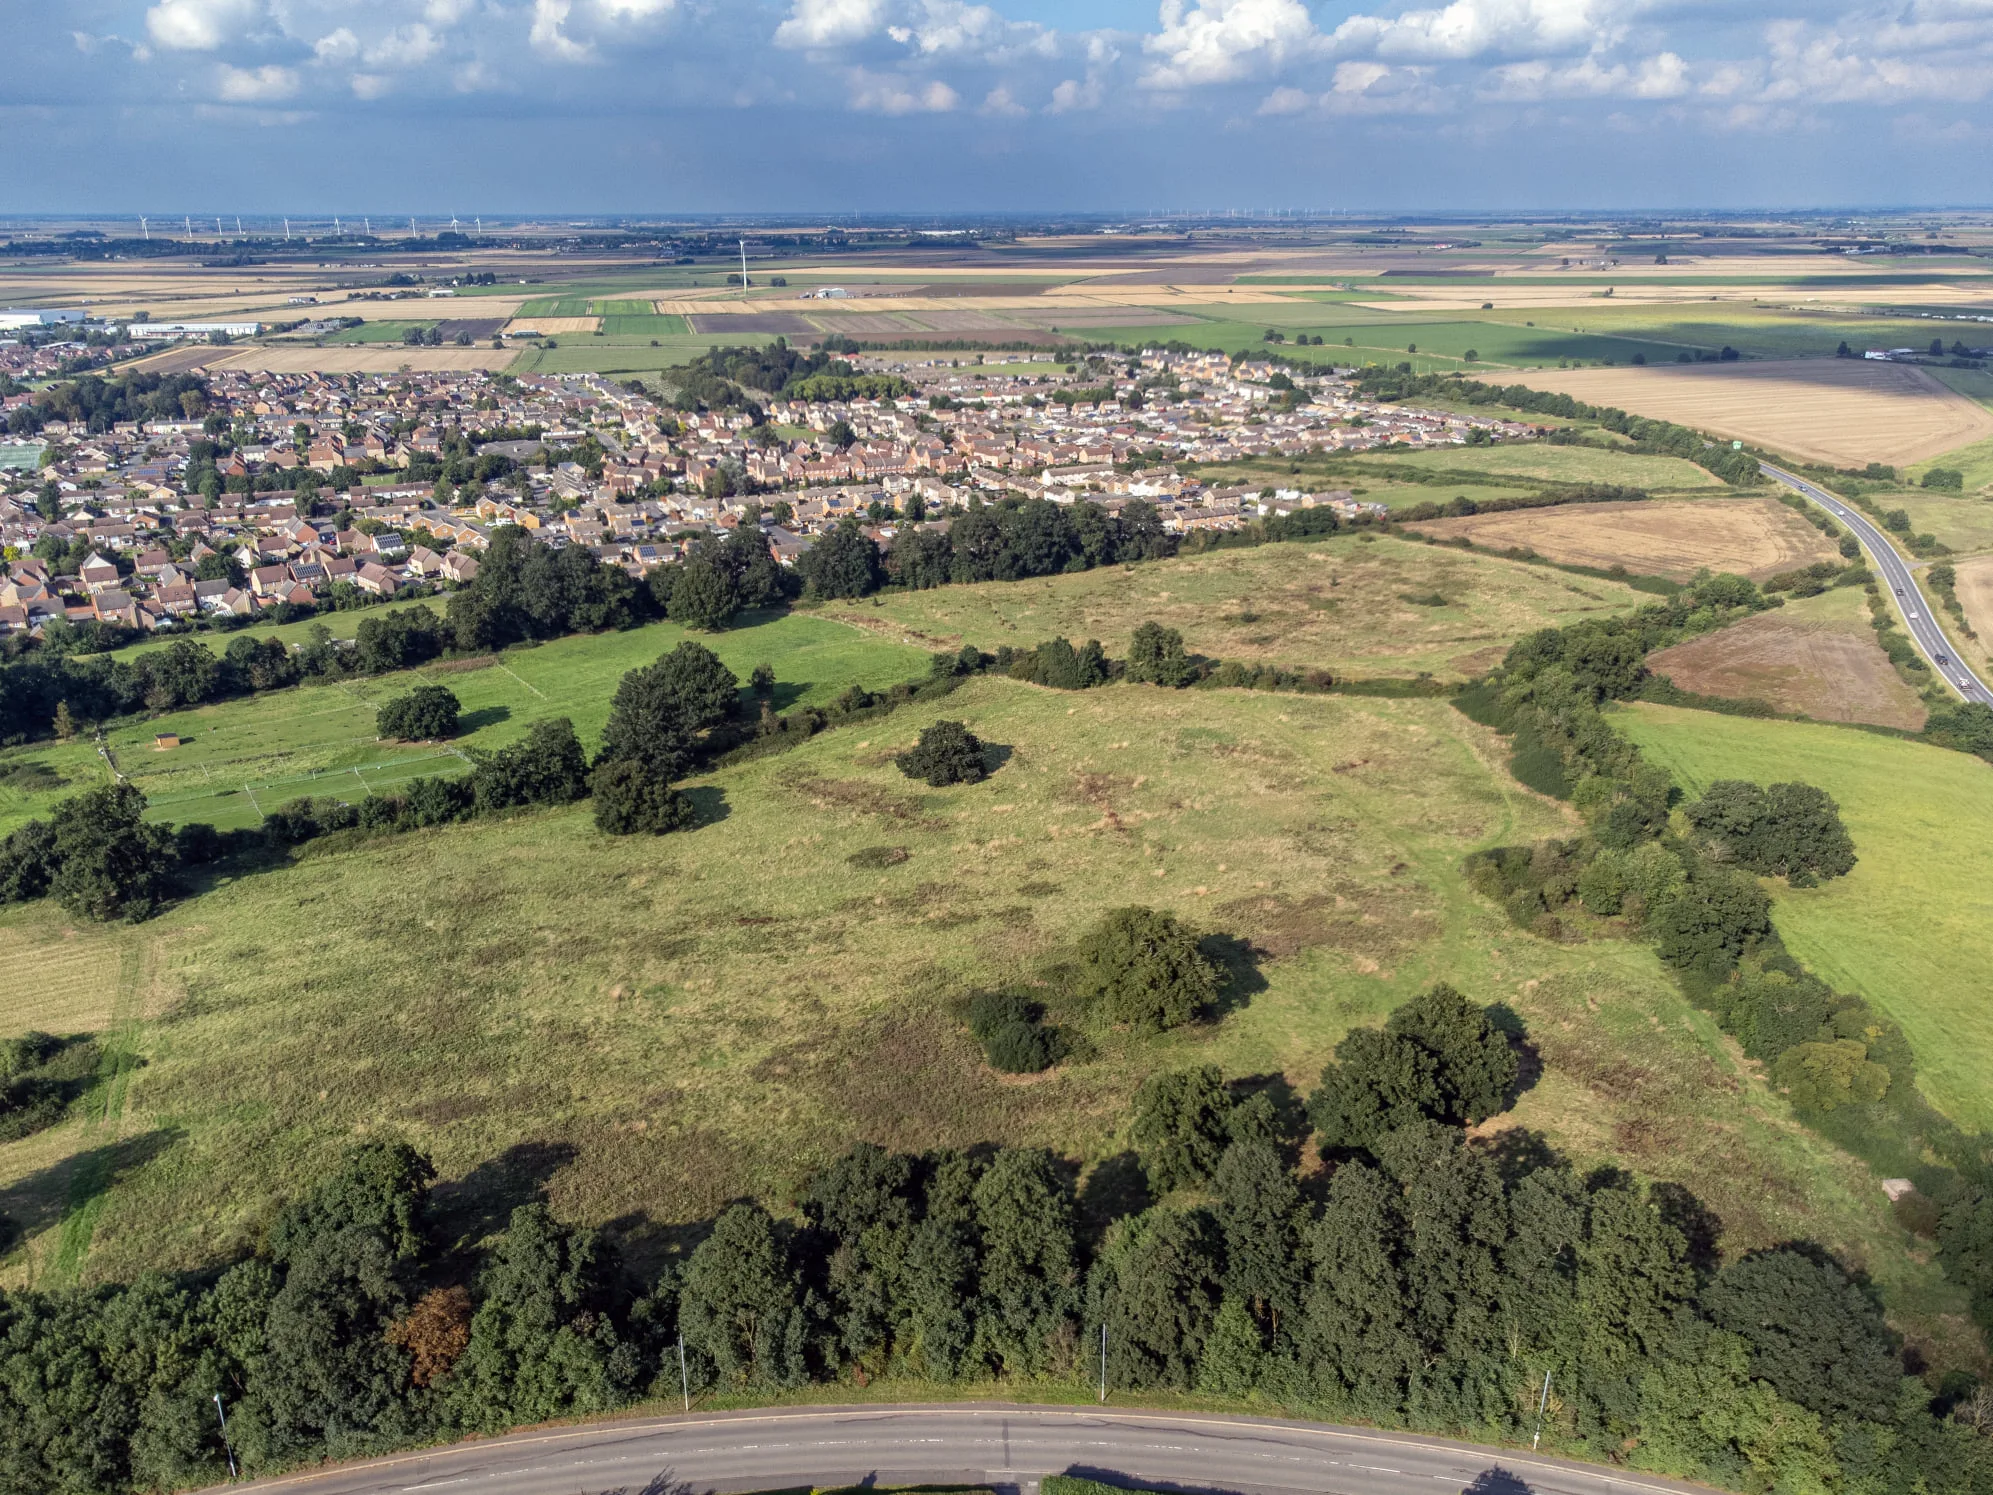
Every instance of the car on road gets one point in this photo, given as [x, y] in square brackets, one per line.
[1914, 618]
[1899, 591]
[1944, 659]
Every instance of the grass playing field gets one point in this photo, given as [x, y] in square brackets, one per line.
[1363, 606]
[239, 759]
[1907, 928]
[653, 1027]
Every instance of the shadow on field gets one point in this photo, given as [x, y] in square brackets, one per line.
[1238, 970]
[484, 716]
[786, 695]
[1115, 1188]
[480, 1203]
[42, 1199]
[995, 755]
[709, 804]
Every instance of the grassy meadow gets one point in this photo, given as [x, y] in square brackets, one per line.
[1907, 928]
[651, 1027]
[239, 759]
[1339, 604]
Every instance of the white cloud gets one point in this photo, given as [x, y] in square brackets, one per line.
[199, 25]
[1071, 95]
[446, 13]
[876, 94]
[370, 85]
[262, 85]
[1475, 28]
[337, 46]
[405, 46]
[1287, 101]
[831, 23]
[1663, 76]
[549, 38]
[1223, 41]
[634, 10]
[998, 101]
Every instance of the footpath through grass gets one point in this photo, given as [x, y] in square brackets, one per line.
[649, 1028]
[239, 759]
[1909, 928]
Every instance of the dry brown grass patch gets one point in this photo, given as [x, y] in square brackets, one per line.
[1755, 537]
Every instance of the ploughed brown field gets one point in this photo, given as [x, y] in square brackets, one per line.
[1839, 410]
[1816, 656]
[1754, 537]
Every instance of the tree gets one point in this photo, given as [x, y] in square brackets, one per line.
[1182, 1126]
[1156, 1288]
[427, 712]
[379, 1187]
[542, 1344]
[1788, 830]
[1156, 657]
[1814, 1335]
[947, 753]
[1711, 921]
[106, 862]
[703, 595]
[1827, 1076]
[632, 797]
[1475, 1067]
[661, 710]
[843, 563]
[740, 1307]
[1144, 968]
[1030, 1261]
[548, 768]
[1378, 1082]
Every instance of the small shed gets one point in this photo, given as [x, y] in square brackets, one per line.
[165, 742]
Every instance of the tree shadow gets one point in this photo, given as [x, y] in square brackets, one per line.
[1239, 978]
[484, 716]
[1290, 1108]
[664, 1482]
[646, 1245]
[1529, 1062]
[1497, 1481]
[787, 694]
[463, 1211]
[1518, 1152]
[45, 1198]
[709, 805]
[995, 755]
[1115, 1189]
[1700, 1226]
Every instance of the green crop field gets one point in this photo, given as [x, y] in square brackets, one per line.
[1561, 464]
[377, 332]
[1338, 605]
[1907, 928]
[642, 324]
[1772, 331]
[239, 759]
[623, 308]
[656, 1026]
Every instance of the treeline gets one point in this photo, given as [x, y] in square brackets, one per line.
[1660, 437]
[97, 403]
[719, 378]
[1414, 1279]
[524, 592]
[1687, 881]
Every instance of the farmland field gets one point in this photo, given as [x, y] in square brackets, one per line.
[1339, 605]
[1816, 656]
[1558, 464]
[655, 1027]
[1907, 928]
[1753, 537]
[239, 759]
[1841, 411]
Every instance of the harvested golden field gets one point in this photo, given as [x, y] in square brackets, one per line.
[1839, 410]
[365, 358]
[1753, 537]
[1816, 656]
[1975, 595]
[552, 324]
[1357, 605]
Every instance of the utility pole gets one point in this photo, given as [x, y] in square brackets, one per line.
[743, 269]
[224, 1435]
[1103, 1362]
[684, 1382]
[1541, 1402]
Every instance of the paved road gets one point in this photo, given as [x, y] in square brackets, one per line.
[1009, 1447]
[1896, 575]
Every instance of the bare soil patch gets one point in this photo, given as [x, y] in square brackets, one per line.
[1817, 656]
[552, 324]
[1753, 537]
[784, 323]
[1840, 410]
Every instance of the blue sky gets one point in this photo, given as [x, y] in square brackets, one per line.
[822, 106]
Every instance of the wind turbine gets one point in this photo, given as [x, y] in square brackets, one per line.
[370, 226]
[144, 228]
[480, 228]
[238, 226]
[218, 232]
[743, 269]
[453, 223]
[287, 230]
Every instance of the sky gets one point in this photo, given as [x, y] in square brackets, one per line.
[456, 107]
